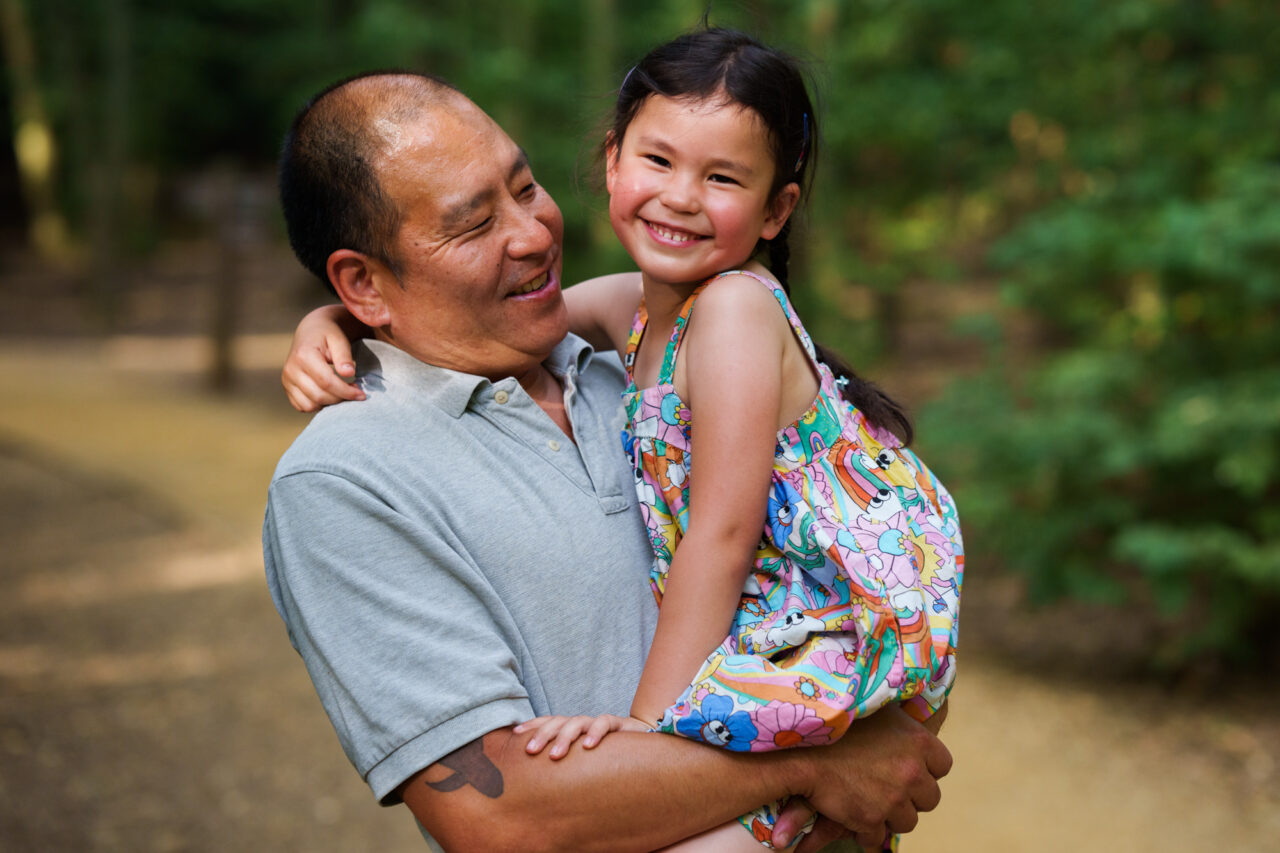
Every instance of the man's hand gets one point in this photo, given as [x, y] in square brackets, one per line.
[877, 778]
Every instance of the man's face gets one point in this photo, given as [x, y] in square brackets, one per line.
[479, 247]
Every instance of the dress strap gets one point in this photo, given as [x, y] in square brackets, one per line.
[633, 340]
[667, 370]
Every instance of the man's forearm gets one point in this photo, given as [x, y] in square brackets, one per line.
[643, 791]
[631, 792]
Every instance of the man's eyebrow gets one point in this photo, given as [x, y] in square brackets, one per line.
[521, 164]
[460, 213]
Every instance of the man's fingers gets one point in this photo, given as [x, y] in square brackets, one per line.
[794, 815]
[824, 832]
[926, 795]
[938, 759]
[870, 841]
[903, 818]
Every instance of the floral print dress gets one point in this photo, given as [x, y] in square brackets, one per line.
[853, 599]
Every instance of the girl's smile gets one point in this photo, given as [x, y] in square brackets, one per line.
[690, 188]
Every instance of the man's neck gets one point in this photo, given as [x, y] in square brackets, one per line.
[542, 385]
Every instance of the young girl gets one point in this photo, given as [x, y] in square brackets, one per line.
[810, 572]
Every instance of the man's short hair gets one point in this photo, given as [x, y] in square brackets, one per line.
[329, 185]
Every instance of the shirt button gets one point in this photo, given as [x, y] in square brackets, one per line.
[553, 444]
[501, 397]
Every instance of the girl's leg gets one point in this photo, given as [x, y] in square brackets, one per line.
[747, 834]
[730, 837]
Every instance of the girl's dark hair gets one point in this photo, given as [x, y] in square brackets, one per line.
[716, 63]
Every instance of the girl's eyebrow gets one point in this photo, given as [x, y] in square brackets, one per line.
[717, 163]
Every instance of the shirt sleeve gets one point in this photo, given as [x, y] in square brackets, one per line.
[411, 652]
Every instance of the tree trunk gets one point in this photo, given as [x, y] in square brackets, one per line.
[108, 167]
[33, 141]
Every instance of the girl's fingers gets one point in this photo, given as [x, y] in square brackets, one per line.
[316, 380]
[339, 352]
[318, 395]
[572, 730]
[303, 393]
[561, 732]
[600, 727]
[544, 729]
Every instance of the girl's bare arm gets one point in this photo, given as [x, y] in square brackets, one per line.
[601, 309]
[732, 369]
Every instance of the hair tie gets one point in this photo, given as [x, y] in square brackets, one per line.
[626, 79]
[804, 144]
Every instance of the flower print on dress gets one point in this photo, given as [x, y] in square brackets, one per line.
[784, 724]
[715, 722]
[806, 687]
[835, 661]
[674, 411]
[786, 506]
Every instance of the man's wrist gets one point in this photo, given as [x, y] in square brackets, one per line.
[796, 770]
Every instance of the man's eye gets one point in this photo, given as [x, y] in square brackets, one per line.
[529, 189]
[480, 225]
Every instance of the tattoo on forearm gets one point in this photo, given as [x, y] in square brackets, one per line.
[472, 767]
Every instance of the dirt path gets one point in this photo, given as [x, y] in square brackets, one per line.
[149, 699]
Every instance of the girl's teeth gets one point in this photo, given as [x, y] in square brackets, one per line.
[680, 237]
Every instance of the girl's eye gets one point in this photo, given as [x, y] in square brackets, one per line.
[529, 190]
[722, 179]
[655, 159]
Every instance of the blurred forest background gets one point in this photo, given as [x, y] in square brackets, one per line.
[1054, 228]
[1086, 194]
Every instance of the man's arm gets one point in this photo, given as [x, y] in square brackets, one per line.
[644, 791]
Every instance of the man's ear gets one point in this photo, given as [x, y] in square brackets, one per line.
[780, 209]
[359, 280]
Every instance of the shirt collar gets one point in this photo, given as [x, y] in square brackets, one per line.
[378, 362]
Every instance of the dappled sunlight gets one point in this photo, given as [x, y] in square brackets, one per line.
[81, 586]
[29, 668]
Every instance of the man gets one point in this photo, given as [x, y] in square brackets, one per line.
[462, 551]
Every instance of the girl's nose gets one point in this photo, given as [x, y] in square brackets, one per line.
[680, 194]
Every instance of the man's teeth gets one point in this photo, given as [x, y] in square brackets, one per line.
[536, 284]
[674, 236]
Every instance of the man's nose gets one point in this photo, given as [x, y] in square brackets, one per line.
[531, 233]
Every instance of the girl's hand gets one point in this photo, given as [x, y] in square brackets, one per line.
[319, 366]
[561, 732]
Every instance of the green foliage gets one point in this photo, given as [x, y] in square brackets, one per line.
[1118, 158]
[1143, 447]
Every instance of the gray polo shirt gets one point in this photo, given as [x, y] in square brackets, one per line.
[447, 562]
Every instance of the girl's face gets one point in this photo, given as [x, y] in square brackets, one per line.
[689, 188]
